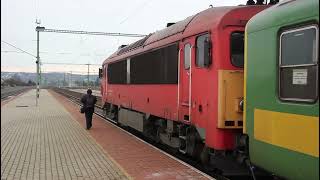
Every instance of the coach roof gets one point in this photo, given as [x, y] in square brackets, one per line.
[283, 13]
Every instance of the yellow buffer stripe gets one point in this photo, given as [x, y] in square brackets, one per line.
[291, 131]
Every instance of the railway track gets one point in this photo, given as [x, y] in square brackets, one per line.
[213, 173]
[12, 91]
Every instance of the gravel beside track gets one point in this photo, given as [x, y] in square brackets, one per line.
[12, 91]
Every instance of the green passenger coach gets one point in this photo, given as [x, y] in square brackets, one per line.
[281, 89]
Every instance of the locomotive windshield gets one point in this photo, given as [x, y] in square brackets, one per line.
[237, 49]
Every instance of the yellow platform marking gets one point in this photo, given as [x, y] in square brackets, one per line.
[291, 131]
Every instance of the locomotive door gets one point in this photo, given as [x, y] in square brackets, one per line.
[185, 80]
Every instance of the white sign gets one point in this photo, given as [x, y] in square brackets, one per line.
[299, 76]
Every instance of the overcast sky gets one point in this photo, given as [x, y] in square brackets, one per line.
[125, 16]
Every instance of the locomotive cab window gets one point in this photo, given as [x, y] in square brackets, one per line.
[298, 64]
[100, 72]
[117, 72]
[203, 55]
[237, 49]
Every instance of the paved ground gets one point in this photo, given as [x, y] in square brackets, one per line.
[44, 142]
[138, 159]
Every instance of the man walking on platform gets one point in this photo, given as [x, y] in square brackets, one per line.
[88, 101]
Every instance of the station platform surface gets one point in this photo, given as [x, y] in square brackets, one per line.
[44, 142]
[49, 141]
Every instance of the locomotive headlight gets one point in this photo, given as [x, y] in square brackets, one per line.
[241, 105]
[238, 105]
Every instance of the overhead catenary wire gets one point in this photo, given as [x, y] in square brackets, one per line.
[84, 73]
[8, 51]
[12, 51]
[19, 48]
[90, 33]
[69, 63]
[135, 11]
[59, 53]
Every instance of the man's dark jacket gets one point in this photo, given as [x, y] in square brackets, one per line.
[88, 102]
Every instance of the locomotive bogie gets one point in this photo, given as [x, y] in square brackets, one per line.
[179, 136]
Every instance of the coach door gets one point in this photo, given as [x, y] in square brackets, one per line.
[185, 80]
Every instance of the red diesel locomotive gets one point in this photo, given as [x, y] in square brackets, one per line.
[183, 85]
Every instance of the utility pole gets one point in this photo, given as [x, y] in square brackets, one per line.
[38, 79]
[38, 65]
[38, 28]
[70, 85]
[64, 79]
[88, 75]
[40, 75]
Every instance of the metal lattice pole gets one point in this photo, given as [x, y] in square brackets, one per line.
[88, 76]
[38, 70]
[38, 28]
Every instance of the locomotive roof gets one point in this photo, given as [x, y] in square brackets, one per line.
[206, 20]
[283, 13]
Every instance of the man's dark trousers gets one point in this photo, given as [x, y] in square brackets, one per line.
[88, 114]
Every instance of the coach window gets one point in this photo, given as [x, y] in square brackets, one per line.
[298, 64]
[203, 51]
[187, 56]
[237, 49]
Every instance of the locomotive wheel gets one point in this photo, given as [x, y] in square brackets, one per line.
[105, 112]
[204, 156]
[194, 146]
[114, 112]
[191, 143]
[157, 135]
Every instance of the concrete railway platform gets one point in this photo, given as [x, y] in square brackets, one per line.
[49, 141]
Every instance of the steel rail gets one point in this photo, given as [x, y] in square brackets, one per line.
[15, 92]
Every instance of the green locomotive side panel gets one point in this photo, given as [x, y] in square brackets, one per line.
[262, 94]
[286, 163]
[283, 135]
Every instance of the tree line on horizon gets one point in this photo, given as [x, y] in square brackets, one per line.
[16, 81]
